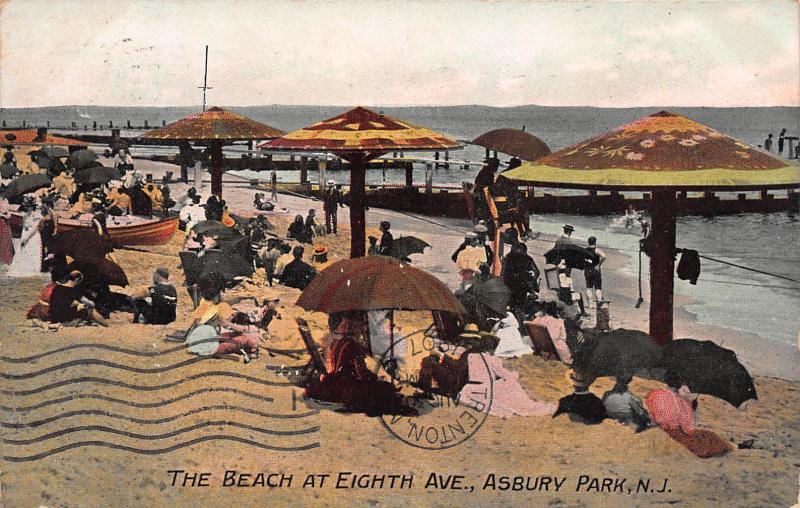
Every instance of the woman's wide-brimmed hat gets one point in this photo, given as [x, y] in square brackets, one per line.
[320, 250]
[470, 331]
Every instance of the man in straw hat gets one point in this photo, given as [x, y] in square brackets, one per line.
[566, 236]
[331, 200]
[319, 258]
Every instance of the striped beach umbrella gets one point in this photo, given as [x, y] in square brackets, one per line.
[357, 136]
[216, 127]
[663, 153]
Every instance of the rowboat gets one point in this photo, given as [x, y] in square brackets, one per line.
[125, 230]
[131, 230]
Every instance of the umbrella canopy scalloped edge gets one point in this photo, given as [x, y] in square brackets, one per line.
[629, 179]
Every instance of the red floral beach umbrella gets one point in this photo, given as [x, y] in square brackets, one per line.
[662, 154]
[514, 142]
[357, 136]
[216, 127]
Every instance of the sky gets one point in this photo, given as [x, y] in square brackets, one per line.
[399, 53]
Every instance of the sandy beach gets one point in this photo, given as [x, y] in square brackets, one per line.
[162, 392]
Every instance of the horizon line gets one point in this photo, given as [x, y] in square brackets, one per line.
[199, 106]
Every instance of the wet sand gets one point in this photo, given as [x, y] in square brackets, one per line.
[327, 442]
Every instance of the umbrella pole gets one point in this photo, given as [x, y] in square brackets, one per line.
[391, 332]
[662, 266]
[357, 204]
[215, 153]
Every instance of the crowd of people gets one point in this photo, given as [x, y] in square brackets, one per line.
[500, 308]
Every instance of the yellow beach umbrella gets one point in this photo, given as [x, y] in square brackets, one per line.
[663, 153]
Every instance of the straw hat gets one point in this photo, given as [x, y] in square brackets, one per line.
[320, 250]
[471, 331]
[331, 183]
[568, 228]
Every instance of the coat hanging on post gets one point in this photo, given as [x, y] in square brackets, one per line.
[689, 266]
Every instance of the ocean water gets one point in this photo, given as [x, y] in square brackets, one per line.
[727, 296]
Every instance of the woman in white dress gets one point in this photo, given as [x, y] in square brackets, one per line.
[28, 252]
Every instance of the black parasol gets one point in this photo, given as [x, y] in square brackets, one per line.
[81, 243]
[80, 159]
[574, 256]
[27, 183]
[708, 369]
[407, 245]
[8, 170]
[103, 269]
[55, 152]
[617, 353]
[205, 227]
[96, 173]
[493, 293]
[587, 406]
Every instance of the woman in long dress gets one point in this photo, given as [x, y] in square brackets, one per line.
[6, 242]
[28, 258]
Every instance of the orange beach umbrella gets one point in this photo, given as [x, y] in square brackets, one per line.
[217, 127]
[662, 154]
[357, 136]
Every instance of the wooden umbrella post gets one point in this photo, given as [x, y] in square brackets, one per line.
[662, 265]
[215, 155]
[357, 203]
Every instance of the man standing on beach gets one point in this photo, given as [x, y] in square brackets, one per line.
[592, 274]
[331, 198]
[768, 143]
[781, 137]
[566, 236]
[273, 182]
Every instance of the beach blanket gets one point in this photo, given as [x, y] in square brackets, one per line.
[508, 398]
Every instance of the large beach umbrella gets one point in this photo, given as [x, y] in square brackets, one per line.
[662, 154]
[358, 136]
[514, 142]
[215, 127]
[377, 283]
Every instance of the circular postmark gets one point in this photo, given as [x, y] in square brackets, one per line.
[445, 419]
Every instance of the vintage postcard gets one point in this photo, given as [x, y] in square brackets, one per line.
[399, 253]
